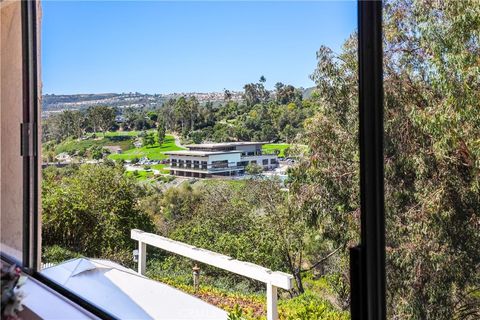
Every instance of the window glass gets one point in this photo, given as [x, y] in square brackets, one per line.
[432, 131]
[226, 126]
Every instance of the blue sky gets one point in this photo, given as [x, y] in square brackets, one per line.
[164, 47]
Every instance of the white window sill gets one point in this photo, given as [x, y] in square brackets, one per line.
[48, 304]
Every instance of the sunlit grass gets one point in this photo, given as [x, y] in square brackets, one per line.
[154, 152]
[276, 146]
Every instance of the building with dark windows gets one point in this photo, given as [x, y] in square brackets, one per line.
[219, 159]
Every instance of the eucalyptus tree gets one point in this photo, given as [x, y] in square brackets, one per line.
[101, 118]
[432, 156]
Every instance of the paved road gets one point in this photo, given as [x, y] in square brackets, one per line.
[177, 140]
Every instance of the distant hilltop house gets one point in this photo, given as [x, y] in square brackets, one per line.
[219, 159]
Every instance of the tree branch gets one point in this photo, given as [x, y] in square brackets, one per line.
[322, 260]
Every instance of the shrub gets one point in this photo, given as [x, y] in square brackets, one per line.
[57, 254]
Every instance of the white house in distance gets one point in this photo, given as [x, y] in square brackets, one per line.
[219, 159]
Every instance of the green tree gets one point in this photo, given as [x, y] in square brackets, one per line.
[431, 157]
[196, 136]
[227, 95]
[96, 152]
[63, 125]
[253, 169]
[152, 115]
[288, 133]
[101, 118]
[181, 113]
[192, 109]
[91, 211]
[148, 139]
[161, 130]
[255, 92]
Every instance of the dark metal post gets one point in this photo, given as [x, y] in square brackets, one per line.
[29, 145]
[368, 280]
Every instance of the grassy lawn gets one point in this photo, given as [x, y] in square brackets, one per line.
[132, 133]
[279, 146]
[154, 152]
[72, 145]
[141, 175]
[160, 167]
[123, 139]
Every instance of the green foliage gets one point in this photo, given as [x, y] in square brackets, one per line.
[253, 169]
[310, 306]
[148, 139]
[432, 178]
[96, 152]
[57, 254]
[138, 119]
[101, 118]
[152, 115]
[259, 117]
[250, 221]
[197, 136]
[152, 152]
[255, 92]
[140, 175]
[431, 156]
[236, 313]
[63, 125]
[91, 211]
[161, 132]
[71, 145]
[276, 148]
[165, 178]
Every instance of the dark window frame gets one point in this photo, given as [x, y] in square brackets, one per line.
[367, 260]
[30, 153]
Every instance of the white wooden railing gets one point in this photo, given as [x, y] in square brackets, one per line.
[273, 279]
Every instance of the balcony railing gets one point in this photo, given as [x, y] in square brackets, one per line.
[211, 169]
[208, 168]
[273, 279]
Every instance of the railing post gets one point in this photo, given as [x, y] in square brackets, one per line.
[142, 257]
[272, 311]
[273, 280]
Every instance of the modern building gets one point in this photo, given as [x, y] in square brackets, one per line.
[219, 159]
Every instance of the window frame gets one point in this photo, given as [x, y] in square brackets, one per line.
[31, 163]
[367, 260]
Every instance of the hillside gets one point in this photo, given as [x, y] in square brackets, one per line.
[52, 103]
[55, 103]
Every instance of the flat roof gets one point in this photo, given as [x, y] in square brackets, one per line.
[128, 295]
[225, 144]
[199, 153]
